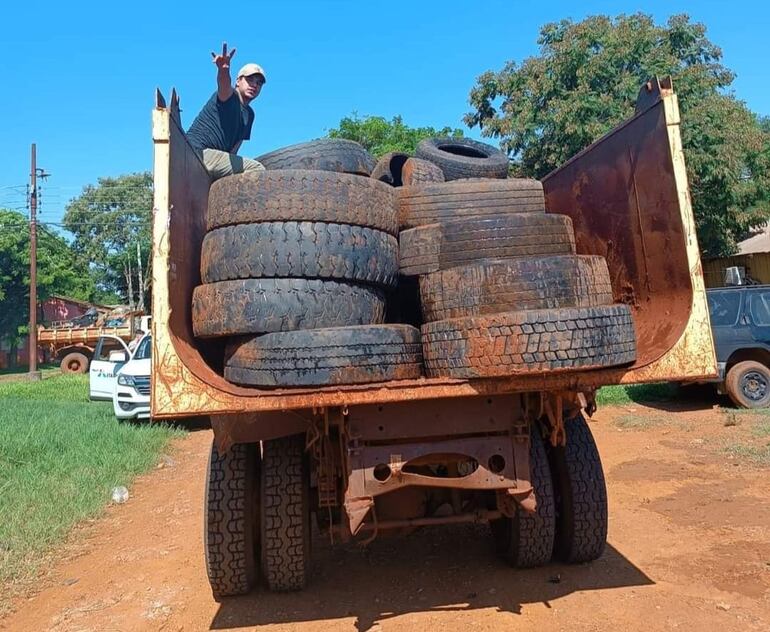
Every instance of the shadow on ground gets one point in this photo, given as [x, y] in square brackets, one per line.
[678, 398]
[439, 570]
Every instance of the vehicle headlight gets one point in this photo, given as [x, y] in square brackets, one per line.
[126, 380]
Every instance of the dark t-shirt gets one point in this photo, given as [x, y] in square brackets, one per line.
[221, 124]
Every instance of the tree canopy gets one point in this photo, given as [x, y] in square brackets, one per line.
[58, 272]
[380, 136]
[586, 80]
[109, 222]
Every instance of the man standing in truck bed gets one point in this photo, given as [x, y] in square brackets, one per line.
[226, 119]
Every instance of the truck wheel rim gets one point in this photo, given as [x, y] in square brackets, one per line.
[754, 385]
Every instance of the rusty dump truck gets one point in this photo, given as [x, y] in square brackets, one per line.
[371, 459]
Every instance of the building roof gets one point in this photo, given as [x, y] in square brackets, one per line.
[76, 301]
[760, 242]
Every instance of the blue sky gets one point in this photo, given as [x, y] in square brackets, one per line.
[79, 77]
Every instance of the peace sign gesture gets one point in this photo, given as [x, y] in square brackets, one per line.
[223, 61]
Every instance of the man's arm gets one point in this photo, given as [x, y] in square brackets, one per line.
[224, 81]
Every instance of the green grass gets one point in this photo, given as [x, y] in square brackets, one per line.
[756, 454]
[60, 457]
[619, 395]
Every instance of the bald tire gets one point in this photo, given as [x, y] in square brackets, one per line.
[252, 306]
[581, 495]
[476, 198]
[389, 168]
[463, 241]
[323, 357]
[464, 158]
[326, 154]
[524, 342]
[417, 171]
[302, 196]
[313, 250]
[230, 521]
[526, 540]
[285, 513]
[489, 287]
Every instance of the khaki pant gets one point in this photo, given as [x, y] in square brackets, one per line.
[220, 164]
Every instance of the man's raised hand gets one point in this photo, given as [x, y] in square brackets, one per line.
[223, 61]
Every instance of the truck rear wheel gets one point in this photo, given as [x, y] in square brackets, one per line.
[74, 362]
[748, 384]
[230, 526]
[285, 513]
[526, 540]
[581, 495]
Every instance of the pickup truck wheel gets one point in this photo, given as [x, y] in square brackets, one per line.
[285, 512]
[581, 495]
[526, 540]
[252, 306]
[748, 384]
[342, 355]
[74, 362]
[230, 523]
[490, 287]
[534, 341]
[313, 250]
[475, 198]
[417, 171]
[326, 154]
[464, 158]
[389, 167]
[299, 195]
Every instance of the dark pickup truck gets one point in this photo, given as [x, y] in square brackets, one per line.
[740, 322]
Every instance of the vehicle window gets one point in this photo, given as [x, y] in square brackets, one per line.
[108, 345]
[724, 307]
[760, 308]
[144, 349]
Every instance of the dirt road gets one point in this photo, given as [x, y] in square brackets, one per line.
[689, 548]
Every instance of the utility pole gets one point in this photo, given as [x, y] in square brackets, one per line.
[33, 374]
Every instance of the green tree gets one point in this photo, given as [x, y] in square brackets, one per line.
[58, 272]
[380, 136]
[110, 221]
[585, 81]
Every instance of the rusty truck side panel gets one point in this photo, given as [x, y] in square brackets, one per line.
[628, 197]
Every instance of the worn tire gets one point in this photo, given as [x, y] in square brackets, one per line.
[252, 306]
[313, 250]
[464, 158]
[581, 495]
[748, 384]
[536, 341]
[462, 241]
[389, 167]
[343, 355]
[231, 513]
[477, 198]
[74, 362]
[325, 154]
[302, 196]
[490, 287]
[526, 540]
[417, 171]
[285, 513]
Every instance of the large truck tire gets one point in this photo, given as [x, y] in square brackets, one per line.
[389, 167]
[285, 513]
[459, 242]
[464, 158]
[417, 171]
[490, 287]
[302, 196]
[515, 343]
[475, 198]
[526, 540]
[343, 355]
[581, 495]
[313, 250]
[230, 528]
[74, 362]
[253, 306]
[748, 384]
[326, 154]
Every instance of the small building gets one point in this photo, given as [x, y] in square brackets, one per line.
[752, 258]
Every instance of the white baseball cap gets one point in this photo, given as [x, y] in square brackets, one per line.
[252, 69]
